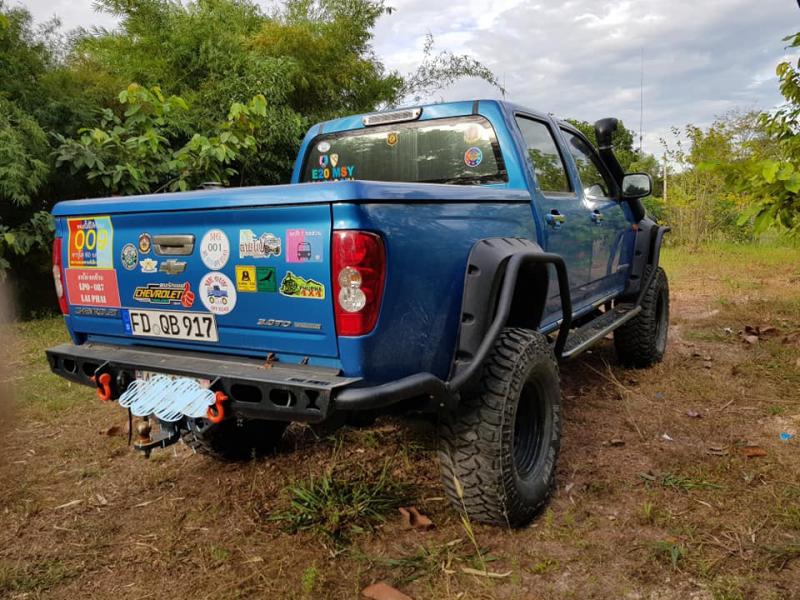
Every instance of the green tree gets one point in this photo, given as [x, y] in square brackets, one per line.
[773, 178]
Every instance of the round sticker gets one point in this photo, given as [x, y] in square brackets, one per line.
[215, 249]
[473, 157]
[217, 293]
[130, 257]
[391, 139]
[323, 147]
[144, 243]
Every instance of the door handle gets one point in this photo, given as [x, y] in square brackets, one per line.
[555, 219]
[174, 245]
[597, 216]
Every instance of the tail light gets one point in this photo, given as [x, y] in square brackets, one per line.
[359, 270]
[58, 276]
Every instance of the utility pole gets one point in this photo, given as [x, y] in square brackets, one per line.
[665, 178]
[641, 103]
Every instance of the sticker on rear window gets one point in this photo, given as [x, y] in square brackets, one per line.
[303, 246]
[323, 147]
[215, 249]
[295, 286]
[217, 293]
[91, 242]
[473, 157]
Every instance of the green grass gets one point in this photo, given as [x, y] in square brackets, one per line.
[686, 484]
[33, 578]
[339, 507]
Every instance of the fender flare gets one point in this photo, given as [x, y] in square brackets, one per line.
[647, 251]
[497, 290]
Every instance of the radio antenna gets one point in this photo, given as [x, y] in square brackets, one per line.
[641, 102]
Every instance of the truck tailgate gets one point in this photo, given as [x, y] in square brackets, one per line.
[243, 280]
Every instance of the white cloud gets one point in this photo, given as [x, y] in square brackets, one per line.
[582, 58]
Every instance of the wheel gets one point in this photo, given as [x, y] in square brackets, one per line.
[641, 342]
[230, 442]
[498, 452]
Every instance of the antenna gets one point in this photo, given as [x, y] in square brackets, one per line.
[641, 102]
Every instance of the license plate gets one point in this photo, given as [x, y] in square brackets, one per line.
[172, 325]
[148, 375]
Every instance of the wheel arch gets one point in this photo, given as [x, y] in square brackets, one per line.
[506, 284]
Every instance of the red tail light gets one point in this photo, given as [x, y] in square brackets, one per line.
[58, 276]
[359, 270]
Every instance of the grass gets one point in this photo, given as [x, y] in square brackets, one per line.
[686, 484]
[339, 506]
[33, 578]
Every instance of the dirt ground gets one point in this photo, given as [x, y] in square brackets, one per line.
[673, 482]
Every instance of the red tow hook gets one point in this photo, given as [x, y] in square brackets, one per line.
[103, 386]
[216, 412]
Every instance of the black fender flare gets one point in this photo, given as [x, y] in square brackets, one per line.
[647, 251]
[505, 282]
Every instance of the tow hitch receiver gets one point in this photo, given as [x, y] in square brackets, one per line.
[168, 434]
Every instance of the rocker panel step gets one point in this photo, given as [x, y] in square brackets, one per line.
[585, 336]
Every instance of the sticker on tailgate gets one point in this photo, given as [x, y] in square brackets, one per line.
[91, 241]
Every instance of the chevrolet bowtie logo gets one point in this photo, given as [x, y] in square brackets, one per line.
[173, 267]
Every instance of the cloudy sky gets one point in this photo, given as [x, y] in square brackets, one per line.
[583, 58]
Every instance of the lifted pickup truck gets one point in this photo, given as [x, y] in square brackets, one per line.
[438, 259]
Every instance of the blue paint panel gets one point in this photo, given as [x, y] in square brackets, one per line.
[426, 251]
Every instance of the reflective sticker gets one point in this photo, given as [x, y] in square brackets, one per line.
[179, 294]
[215, 249]
[93, 287]
[263, 246]
[246, 278]
[303, 246]
[148, 265]
[266, 280]
[218, 293]
[323, 147]
[391, 138]
[129, 257]
[145, 242]
[91, 242]
[473, 157]
[295, 286]
[334, 159]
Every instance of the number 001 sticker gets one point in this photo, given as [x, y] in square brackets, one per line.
[215, 249]
[91, 242]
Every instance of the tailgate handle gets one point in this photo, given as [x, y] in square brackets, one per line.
[174, 245]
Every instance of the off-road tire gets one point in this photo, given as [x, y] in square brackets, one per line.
[642, 341]
[498, 452]
[230, 442]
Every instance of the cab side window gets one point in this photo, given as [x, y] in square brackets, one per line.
[547, 162]
[594, 179]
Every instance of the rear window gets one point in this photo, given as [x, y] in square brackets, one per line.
[461, 150]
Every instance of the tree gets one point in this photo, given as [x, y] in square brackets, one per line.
[774, 180]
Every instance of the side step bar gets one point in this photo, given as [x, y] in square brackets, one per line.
[582, 338]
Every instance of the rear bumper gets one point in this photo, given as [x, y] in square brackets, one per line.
[255, 390]
[279, 391]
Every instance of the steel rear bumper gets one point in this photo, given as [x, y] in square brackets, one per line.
[276, 392]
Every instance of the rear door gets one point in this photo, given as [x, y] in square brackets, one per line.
[238, 280]
[610, 228]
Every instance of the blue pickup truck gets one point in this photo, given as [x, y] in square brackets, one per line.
[439, 259]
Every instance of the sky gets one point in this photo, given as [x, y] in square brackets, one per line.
[583, 58]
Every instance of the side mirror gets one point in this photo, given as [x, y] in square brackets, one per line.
[636, 185]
